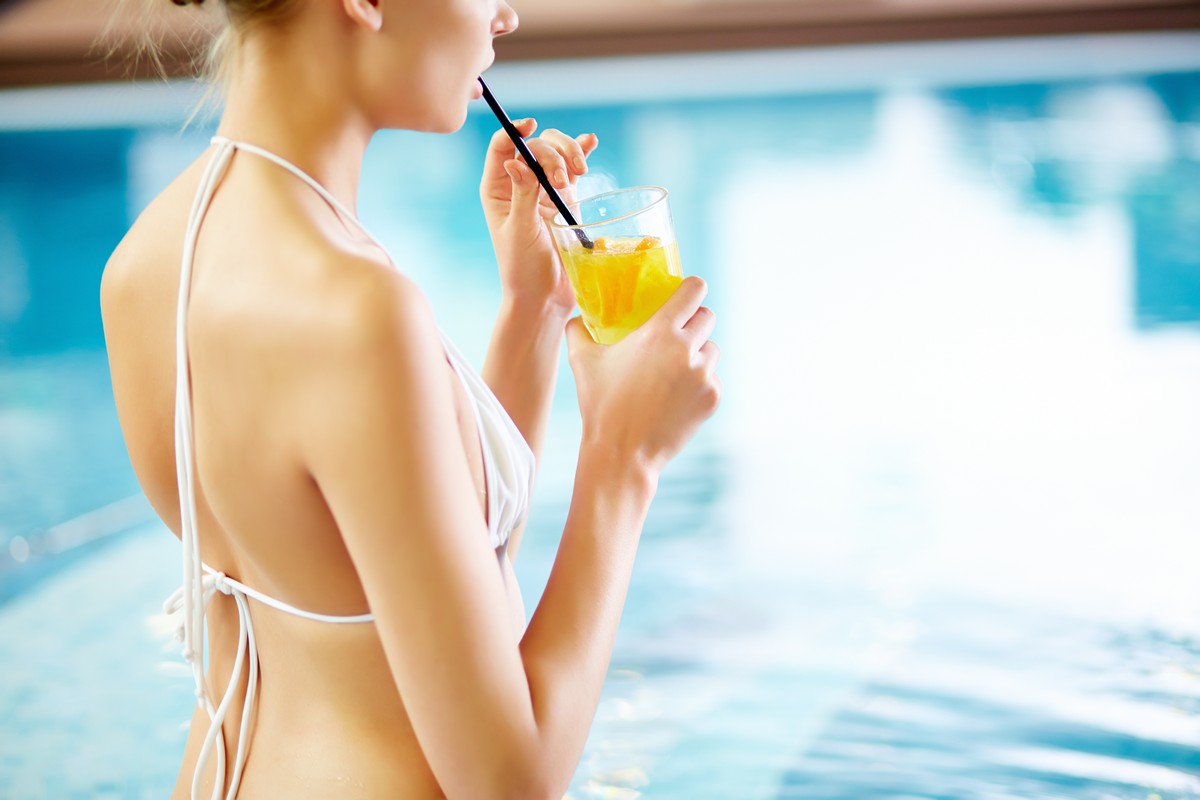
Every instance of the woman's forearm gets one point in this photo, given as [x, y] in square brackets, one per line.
[522, 365]
[568, 644]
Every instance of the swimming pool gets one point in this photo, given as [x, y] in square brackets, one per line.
[938, 543]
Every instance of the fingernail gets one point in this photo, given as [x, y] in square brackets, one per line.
[580, 164]
[560, 177]
[514, 172]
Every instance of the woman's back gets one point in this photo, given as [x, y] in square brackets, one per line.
[270, 270]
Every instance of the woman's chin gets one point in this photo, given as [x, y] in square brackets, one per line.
[450, 122]
[440, 115]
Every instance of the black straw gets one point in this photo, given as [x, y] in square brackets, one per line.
[540, 173]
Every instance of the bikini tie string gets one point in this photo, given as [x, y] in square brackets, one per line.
[210, 584]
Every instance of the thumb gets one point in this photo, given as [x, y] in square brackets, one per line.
[578, 339]
[525, 190]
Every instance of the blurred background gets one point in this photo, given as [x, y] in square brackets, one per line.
[941, 540]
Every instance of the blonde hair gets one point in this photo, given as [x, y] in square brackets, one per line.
[148, 33]
[153, 40]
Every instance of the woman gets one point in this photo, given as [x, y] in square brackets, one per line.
[333, 454]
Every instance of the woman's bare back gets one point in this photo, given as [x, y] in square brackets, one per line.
[264, 299]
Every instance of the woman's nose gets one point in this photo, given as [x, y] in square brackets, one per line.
[506, 20]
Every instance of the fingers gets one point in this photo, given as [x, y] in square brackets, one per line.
[715, 387]
[499, 150]
[503, 146]
[684, 303]
[588, 142]
[554, 164]
[710, 354]
[564, 159]
[554, 150]
[571, 150]
[701, 325]
[525, 189]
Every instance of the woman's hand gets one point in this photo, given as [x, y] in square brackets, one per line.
[646, 395]
[515, 208]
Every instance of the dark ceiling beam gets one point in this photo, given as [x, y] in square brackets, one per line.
[74, 59]
[1169, 16]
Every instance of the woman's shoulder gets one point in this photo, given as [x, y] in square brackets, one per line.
[134, 277]
[333, 310]
[313, 273]
[360, 302]
[265, 263]
[371, 351]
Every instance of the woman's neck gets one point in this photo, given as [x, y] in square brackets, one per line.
[285, 96]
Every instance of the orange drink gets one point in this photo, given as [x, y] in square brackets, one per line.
[621, 281]
[620, 257]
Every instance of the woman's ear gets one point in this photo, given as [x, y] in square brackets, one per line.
[365, 13]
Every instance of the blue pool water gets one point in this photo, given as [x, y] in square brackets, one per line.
[939, 542]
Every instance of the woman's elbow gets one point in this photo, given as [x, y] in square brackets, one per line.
[515, 779]
[537, 781]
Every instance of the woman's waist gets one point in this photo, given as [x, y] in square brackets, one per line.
[335, 755]
[336, 740]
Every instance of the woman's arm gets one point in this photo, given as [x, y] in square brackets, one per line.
[522, 363]
[494, 719]
[536, 299]
[521, 369]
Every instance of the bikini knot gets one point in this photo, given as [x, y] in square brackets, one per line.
[221, 583]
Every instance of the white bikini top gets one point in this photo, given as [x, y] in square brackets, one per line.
[508, 467]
